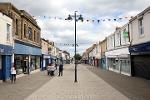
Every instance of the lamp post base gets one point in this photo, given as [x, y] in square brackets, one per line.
[75, 73]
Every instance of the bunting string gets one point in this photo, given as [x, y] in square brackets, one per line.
[71, 44]
[86, 19]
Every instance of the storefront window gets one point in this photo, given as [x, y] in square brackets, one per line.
[21, 63]
[37, 62]
[33, 63]
[17, 62]
[125, 65]
[117, 64]
[111, 63]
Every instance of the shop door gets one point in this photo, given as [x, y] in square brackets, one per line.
[141, 66]
[103, 63]
[7, 67]
[46, 62]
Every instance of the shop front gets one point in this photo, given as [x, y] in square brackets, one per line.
[140, 60]
[96, 62]
[103, 62]
[46, 60]
[26, 58]
[5, 61]
[119, 61]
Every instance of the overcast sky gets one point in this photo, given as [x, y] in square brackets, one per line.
[62, 31]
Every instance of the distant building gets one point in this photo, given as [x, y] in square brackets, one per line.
[46, 50]
[66, 57]
[91, 55]
[103, 46]
[97, 55]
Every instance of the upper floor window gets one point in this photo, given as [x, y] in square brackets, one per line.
[97, 49]
[141, 26]
[38, 37]
[16, 27]
[112, 42]
[25, 26]
[125, 35]
[30, 33]
[49, 49]
[34, 35]
[117, 39]
[8, 31]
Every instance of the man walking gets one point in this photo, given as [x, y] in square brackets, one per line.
[60, 70]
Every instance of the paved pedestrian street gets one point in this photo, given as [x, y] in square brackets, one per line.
[89, 87]
[93, 84]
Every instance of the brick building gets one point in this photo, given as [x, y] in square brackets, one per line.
[26, 35]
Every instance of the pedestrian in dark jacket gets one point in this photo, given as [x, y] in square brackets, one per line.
[56, 66]
[60, 70]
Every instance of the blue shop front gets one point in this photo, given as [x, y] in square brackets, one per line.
[27, 58]
[103, 63]
[5, 61]
[140, 60]
[46, 60]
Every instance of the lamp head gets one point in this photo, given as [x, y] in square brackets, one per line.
[69, 17]
[80, 18]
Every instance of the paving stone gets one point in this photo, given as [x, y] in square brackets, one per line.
[88, 87]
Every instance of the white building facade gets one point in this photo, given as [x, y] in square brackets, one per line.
[6, 46]
[140, 44]
[117, 55]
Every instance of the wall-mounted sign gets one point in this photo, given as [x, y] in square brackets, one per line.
[1, 50]
[6, 50]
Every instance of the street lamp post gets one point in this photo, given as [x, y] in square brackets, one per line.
[75, 18]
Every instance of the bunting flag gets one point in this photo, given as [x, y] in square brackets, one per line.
[87, 20]
[71, 44]
[109, 19]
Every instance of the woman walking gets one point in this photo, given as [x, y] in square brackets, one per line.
[13, 74]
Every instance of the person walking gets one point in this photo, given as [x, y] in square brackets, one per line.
[13, 74]
[60, 70]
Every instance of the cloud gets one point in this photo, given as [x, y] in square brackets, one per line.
[61, 31]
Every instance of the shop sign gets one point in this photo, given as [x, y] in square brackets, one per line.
[1, 50]
[46, 56]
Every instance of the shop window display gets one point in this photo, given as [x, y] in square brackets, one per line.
[37, 63]
[21, 63]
